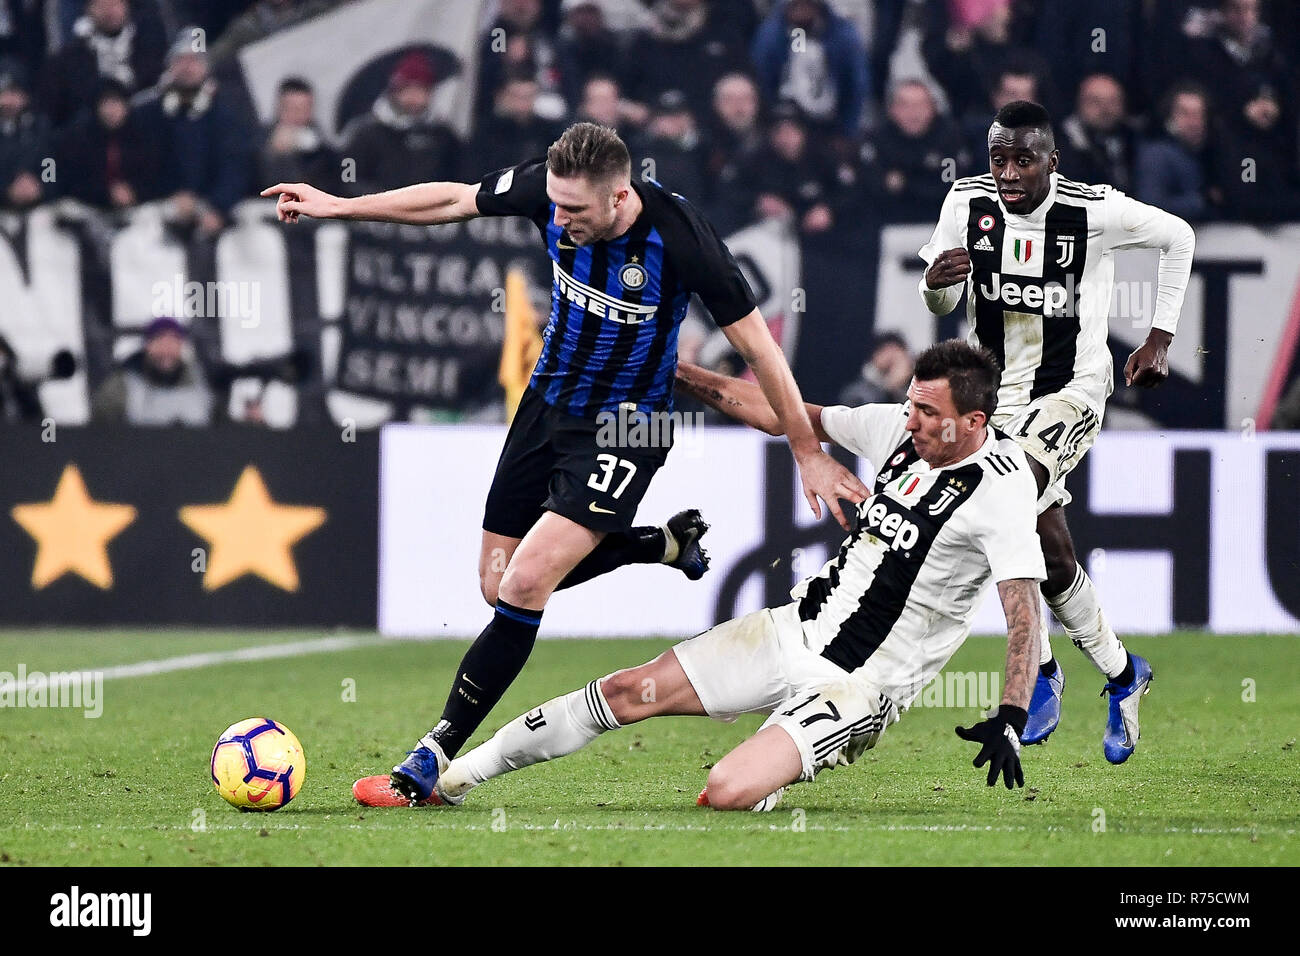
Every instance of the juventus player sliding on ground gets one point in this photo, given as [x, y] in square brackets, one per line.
[1035, 252]
[626, 257]
[953, 509]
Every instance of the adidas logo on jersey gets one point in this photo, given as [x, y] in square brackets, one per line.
[892, 527]
[984, 245]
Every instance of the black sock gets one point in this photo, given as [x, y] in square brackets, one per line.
[490, 666]
[1048, 669]
[643, 545]
[1125, 677]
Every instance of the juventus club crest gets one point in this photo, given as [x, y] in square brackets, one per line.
[1064, 250]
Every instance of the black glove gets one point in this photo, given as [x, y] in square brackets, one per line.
[1000, 737]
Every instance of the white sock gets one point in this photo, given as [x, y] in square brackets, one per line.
[1044, 642]
[557, 728]
[671, 548]
[1079, 612]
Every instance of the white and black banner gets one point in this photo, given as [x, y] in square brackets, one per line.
[1190, 529]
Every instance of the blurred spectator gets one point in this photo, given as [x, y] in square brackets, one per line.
[261, 20]
[161, 384]
[688, 46]
[790, 179]
[587, 46]
[1015, 81]
[109, 157]
[518, 42]
[112, 41]
[22, 33]
[734, 137]
[1245, 67]
[1256, 165]
[885, 377]
[207, 151]
[735, 131]
[24, 141]
[1083, 37]
[294, 148]
[601, 101]
[966, 44]
[1096, 140]
[513, 132]
[913, 159]
[822, 69]
[1174, 168]
[669, 151]
[401, 141]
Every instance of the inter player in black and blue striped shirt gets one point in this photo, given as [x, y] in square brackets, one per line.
[626, 258]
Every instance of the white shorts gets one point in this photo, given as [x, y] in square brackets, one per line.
[758, 664]
[1056, 431]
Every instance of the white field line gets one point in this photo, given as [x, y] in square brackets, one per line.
[573, 826]
[189, 662]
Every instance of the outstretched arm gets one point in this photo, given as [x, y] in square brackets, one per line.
[821, 475]
[999, 736]
[741, 400]
[424, 204]
[1148, 227]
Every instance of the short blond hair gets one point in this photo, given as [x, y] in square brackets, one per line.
[590, 150]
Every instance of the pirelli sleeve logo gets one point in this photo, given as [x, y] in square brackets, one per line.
[601, 303]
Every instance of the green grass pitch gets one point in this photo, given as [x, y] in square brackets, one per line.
[1215, 780]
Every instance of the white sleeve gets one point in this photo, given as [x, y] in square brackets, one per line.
[1136, 225]
[869, 431]
[1008, 527]
[946, 236]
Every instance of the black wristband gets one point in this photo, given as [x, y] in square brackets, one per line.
[1015, 717]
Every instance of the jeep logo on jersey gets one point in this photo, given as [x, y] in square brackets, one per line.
[1051, 298]
[892, 527]
[601, 303]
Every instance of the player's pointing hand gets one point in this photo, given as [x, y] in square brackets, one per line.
[825, 478]
[300, 199]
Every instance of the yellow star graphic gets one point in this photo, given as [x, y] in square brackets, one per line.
[251, 534]
[72, 532]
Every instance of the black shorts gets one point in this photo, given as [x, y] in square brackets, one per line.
[557, 462]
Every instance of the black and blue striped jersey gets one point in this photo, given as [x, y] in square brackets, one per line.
[616, 305]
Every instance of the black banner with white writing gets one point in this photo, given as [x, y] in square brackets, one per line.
[425, 309]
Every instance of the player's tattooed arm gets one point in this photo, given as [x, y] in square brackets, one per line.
[423, 204]
[736, 398]
[1023, 609]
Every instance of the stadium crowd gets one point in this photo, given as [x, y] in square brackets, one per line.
[816, 112]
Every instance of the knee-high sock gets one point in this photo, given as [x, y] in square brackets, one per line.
[557, 728]
[1044, 643]
[641, 545]
[1079, 612]
[488, 668]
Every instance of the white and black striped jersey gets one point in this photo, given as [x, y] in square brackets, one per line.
[895, 603]
[1040, 286]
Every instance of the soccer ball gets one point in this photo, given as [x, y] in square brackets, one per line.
[258, 764]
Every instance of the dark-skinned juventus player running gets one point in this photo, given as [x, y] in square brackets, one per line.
[626, 257]
[1035, 252]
